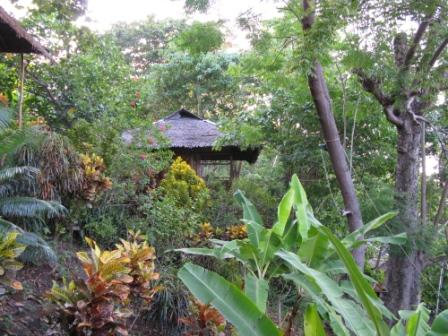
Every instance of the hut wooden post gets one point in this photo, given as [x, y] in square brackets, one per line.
[232, 169]
[15, 39]
[21, 84]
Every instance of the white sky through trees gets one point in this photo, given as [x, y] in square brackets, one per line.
[102, 14]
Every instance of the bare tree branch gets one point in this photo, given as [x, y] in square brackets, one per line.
[372, 86]
[391, 117]
[438, 52]
[441, 206]
[416, 41]
[45, 87]
[50, 94]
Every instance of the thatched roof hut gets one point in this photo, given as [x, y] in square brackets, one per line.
[194, 138]
[189, 134]
[14, 39]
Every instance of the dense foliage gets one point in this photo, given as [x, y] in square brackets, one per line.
[70, 173]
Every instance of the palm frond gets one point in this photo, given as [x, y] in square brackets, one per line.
[7, 189]
[37, 249]
[7, 174]
[30, 207]
[13, 141]
[5, 118]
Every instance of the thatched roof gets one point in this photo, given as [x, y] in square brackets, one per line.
[188, 134]
[185, 130]
[14, 39]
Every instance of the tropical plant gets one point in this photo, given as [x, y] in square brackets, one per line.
[15, 204]
[183, 185]
[141, 262]
[203, 321]
[313, 255]
[94, 179]
[98, 304]
[61, 176]
[90, 306]
[10, 250]
[169, 305]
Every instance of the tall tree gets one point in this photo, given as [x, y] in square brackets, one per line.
[145, 43]
[322, 101]
[405, 76]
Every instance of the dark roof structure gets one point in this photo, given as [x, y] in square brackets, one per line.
[14, 39]
[185, 130]
[188, 133]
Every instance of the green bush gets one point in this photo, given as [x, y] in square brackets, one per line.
[104, 230]
[169, 225]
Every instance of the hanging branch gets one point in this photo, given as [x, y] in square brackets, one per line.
[438, 52]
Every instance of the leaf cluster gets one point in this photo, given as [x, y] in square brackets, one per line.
[98, 303]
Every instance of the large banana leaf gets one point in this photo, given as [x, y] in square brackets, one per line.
[251, 217]
[269, 244]
[440, 325]
[316, 296]
[283, 212]
[257, 290]
[313, 250]
[312, 323]
[365, 292]
[372, 225]
[416, 321]
[325, 288]
[229, 300]
[376, 223]
[301, 206]
[204, 251]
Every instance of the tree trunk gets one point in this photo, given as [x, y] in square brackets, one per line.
[405, 263]
[322, 101]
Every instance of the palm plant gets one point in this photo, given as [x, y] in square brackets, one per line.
[14, 202]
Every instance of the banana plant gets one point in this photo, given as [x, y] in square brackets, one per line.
[314, 256]
[416, 323]
[299, 242]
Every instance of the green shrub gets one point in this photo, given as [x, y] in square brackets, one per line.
[168, 225]
[103, 230]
